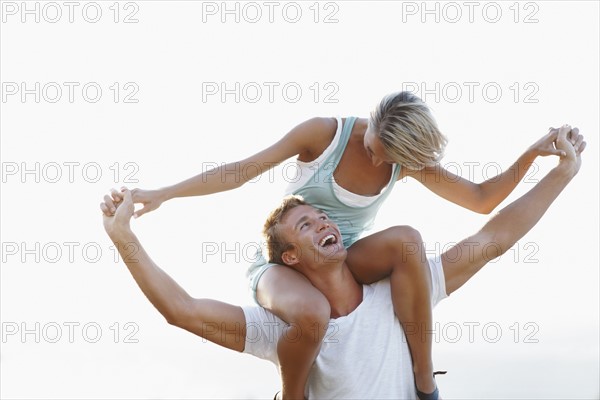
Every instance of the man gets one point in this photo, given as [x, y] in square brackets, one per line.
[364, 354]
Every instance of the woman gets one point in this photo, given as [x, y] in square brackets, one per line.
[348, 168]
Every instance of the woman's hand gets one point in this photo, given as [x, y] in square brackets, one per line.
[151, 199]
[546, 146]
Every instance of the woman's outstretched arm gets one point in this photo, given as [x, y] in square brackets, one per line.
[299, 141]
[484, 197]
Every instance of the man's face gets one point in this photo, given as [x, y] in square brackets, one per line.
[315, 238]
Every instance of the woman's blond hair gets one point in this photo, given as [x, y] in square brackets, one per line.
[408, 131]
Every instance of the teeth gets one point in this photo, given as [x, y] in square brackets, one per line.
[326, 238]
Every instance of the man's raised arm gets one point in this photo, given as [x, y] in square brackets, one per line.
[510, 224]
[221, 323]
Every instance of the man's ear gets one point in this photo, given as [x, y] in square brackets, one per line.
[291, 255]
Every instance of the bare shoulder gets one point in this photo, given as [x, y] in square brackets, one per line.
[362, 123]
[318, 133]
[304, 140]
[321, 124]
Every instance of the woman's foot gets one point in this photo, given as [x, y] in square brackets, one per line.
[431, 392]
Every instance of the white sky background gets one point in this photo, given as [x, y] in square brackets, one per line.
[538, 304]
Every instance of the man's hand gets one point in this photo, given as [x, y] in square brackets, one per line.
[571, 144]
[118, 222]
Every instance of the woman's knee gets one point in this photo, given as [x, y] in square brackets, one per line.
[406, 242]
[405, 233]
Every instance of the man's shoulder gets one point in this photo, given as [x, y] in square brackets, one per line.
[259, 316]
[383, 285]
[375, 294]
[263, 330]
[261, 324]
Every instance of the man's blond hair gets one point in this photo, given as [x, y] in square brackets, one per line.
[276, 243]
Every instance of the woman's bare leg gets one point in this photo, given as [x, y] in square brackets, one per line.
[398, 252]
[290, 295]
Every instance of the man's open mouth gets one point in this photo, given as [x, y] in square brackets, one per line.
[328, 240]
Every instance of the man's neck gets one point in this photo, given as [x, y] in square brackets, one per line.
[340, 288]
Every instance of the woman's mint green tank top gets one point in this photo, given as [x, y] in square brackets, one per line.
[318, 191]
